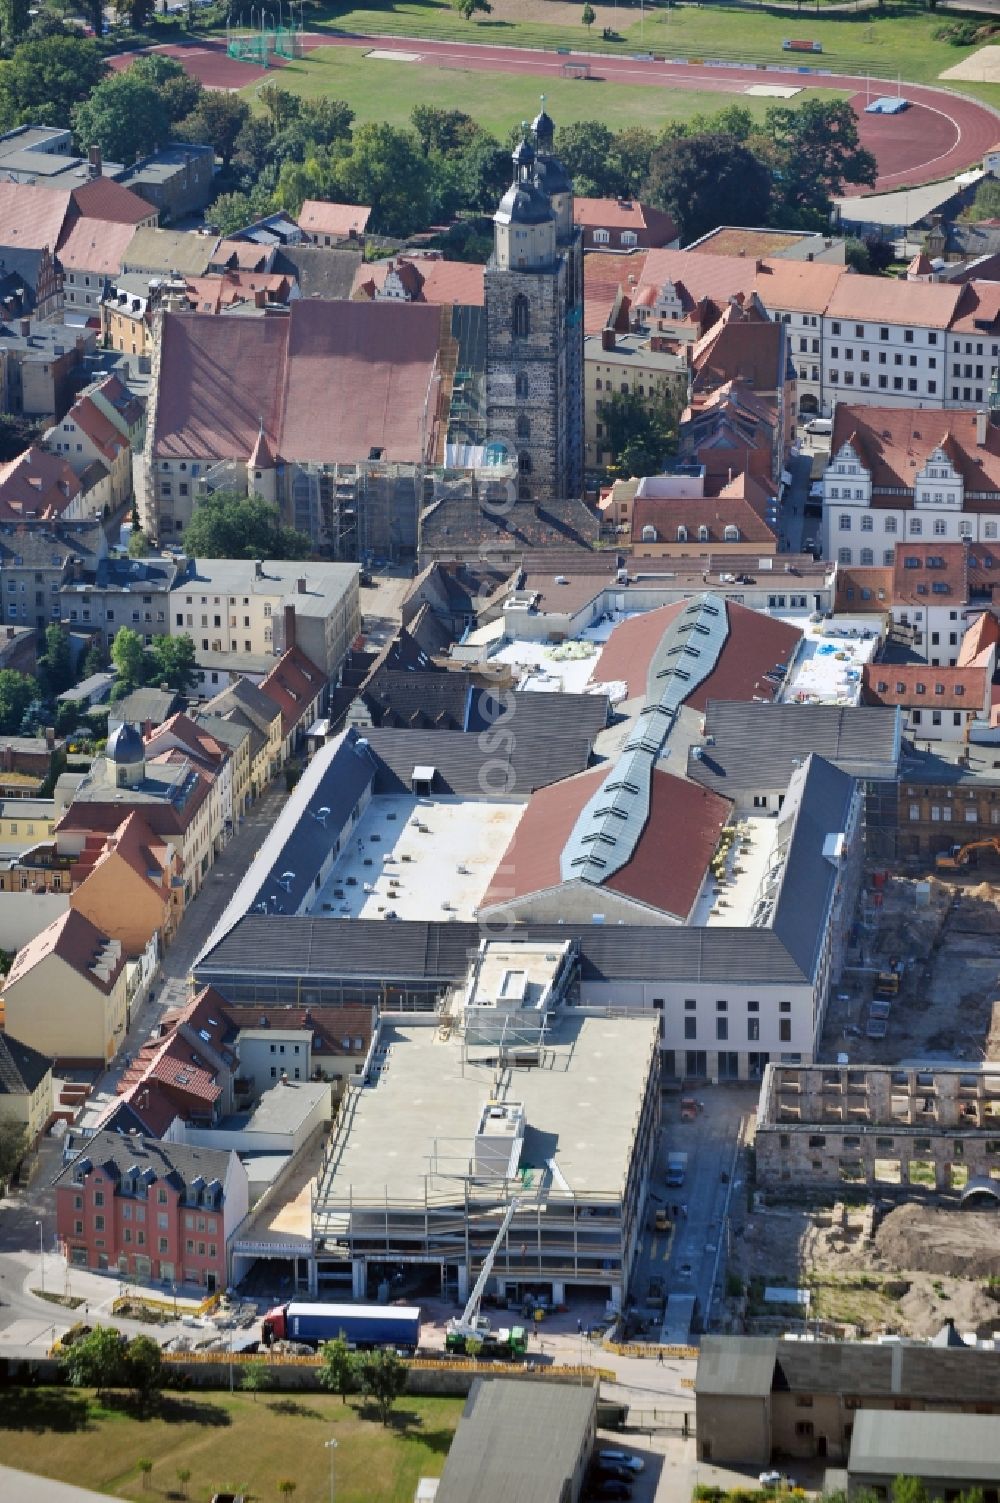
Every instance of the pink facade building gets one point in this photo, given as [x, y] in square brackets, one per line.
[150, 1210]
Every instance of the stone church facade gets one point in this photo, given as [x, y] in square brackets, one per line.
[534, 313]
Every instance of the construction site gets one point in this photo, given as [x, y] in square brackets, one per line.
[872, 1203]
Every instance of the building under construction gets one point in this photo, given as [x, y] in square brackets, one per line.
[508, 1097]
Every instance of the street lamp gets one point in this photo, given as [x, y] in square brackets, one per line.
[331, 1446]
[41, 1254]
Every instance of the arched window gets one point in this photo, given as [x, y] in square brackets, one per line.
[731, 534]
[703, 534]
[682, 534]
[521, 317]
[649, 534]
[520, 385]
[524, 463]
[523, 427]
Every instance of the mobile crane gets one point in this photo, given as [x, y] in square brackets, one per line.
[470, 1326]
[955, 859]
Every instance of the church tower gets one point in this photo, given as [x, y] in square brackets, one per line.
[534, 370]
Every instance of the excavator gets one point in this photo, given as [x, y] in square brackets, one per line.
[955, 859]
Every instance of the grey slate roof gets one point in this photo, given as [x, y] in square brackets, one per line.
[22, 1069]
[146, 704]
[743, 1365]
[320, 272]
[355, 950]
[531, 759]
[517, 1440]
[949, 1447]
[177, 1162]
[817, 805]
[758, 746]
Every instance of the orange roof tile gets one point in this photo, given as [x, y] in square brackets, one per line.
[318, 217]
[919, 686]
[895, 443]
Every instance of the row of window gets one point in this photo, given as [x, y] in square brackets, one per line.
[753, 1030]
[914, 525]
[883, 382]
[943, 813]
[865, 358]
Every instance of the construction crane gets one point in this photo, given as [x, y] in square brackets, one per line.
[471, 1326]
[953, 860]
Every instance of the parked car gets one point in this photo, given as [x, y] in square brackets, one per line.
[620, 1458]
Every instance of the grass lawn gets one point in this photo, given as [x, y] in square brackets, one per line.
[901, 39]
[388, 91]
[229, 1442]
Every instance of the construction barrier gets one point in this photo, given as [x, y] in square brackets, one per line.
[167, 1306]
[650, 1351]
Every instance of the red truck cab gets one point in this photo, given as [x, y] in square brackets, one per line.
[274, 1327]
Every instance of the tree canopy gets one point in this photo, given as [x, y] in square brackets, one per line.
[814, 153]
[125, 115]
[17, 692]
[699, 180]
[227, 524]
[46, 78]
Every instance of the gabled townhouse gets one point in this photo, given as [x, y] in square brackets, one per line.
[191, 1062]
[65, 993]
[171, 791]
[940, 703]
[909, 474]
[130, 885]
[25, 1088]
[299, 689]
[86, 436]
[150, 1210]
[180, 736]
[623, 225]
[247, 705]
[40, 486]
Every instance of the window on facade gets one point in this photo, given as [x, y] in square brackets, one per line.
[521, 317]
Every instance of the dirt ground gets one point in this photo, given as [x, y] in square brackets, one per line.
[921, 1267]
[950, 951]
[982, 67]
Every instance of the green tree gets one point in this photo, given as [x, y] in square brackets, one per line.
[700, 179]
[17, 434]
[179, 91]
[145, 1466]
[55, 666]
[256, 1378]
[815, 155]
[384, 167]
[97, 1360]
[17, 691]
[13, 1146]
[143, 1371]
[232, 211]
[95, 659]
[254, 149]
[280, 106]
[589, 16]
[909, 1490]
[986, 204]
[481, 173]
[642, 435]
[440, 130]
[128, 656]
[287, 1487]
[183, 1478]
[14, 21]
[217, 120]
[383, 1379]
[632, 151]
[138, 544]
[46, 78]
[586, 150]
[467, 8]
[338, 1367]
[230, 525]
[137, 13]
[125, 116]
[172, 662]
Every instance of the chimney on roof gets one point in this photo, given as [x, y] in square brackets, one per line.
[24, 327]
[981, 422]
[258, 568]
[259, 297]
[810, 256]
[300, 584]
[50, 737]
[607, 338]
[94, 164]
[77, 568]
[289, 627]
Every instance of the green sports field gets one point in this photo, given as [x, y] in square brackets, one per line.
[379, 90]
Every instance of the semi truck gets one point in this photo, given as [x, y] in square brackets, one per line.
[360, 1325]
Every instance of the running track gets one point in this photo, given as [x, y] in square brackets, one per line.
[940, 135]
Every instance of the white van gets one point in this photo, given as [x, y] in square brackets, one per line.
[820, 425]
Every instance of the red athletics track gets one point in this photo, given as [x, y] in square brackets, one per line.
[939, 135]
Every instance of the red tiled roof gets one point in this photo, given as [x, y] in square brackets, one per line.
[427, 279]
[102, 198]
[895, 443]
[76, 941]
[603, 275]
[881, 300]
[134, 842]
[246, 255]
[32, 218]
[101, 431]
[196, 741]
[919, 686]
[625, 214]
[334, 1029]
[96, 246]
[745, 346]
[317, 217]
[925, 573]
[221, 378]
[980, 640]
[755, 645]
[978, 308]
[863, 589]
[683, 817]
[715, 513]
[293, 684]
[37, 481]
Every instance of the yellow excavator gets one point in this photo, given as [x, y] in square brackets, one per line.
[955, 859]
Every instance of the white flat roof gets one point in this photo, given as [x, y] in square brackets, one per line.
[730, 901]
[829, 663]
[424, 859]
[569, 665]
